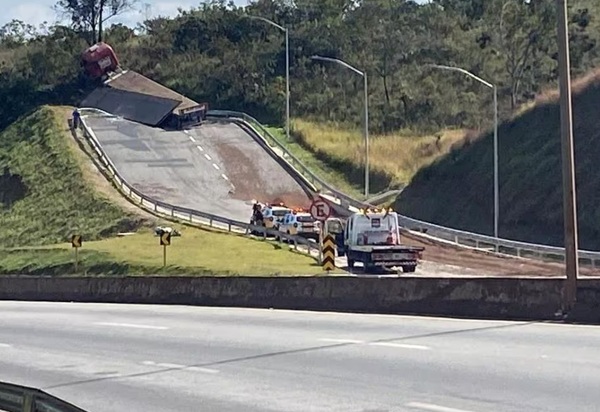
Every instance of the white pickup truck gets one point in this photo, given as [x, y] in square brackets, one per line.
[373, 238]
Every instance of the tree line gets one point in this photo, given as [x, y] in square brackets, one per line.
[217, 53]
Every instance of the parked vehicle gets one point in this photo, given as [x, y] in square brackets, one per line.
[372, 237]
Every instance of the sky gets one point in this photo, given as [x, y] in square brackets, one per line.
[37, 11]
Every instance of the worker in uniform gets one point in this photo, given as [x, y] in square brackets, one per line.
[257, 216]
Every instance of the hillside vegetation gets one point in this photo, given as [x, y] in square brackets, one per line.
[217, 54]
[457, 190]
[394, 158]
[45, 197]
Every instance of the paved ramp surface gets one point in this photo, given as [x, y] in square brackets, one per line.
[107, 358]
[215, 168]
[251, 169]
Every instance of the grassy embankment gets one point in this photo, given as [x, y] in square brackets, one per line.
[336, 154]
[457, 190]
[51, 191]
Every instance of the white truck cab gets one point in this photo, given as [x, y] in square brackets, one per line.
[372, 237]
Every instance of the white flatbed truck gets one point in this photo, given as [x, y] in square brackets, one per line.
[373, 239]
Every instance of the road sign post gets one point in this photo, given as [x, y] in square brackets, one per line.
[320, 211]
[76, 242]
[165, 240]
[328, 253]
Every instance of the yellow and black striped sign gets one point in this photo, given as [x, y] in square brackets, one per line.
[76, 241]
[165, 239]
[328, 253]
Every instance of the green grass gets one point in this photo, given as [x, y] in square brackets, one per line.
[196, 252]
[457, 190]
[334, 177]
[336, 154]
[58, 201]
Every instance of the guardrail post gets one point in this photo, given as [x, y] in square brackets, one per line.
[210, 222]
[190, 216]
[229, 227]
[172, 213]
[155, 207]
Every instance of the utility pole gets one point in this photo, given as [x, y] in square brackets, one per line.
[568, 161]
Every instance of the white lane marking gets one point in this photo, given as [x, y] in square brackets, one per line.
[200, 148]
[341, 340]
[400, 345]
[432, 407]
[192, 139]
[170, 365]
[186, 132]
[178, 366]
[5, 345]
[216, 167]
[207, 156]
[205, 370]
[224, 177]
[131, 325]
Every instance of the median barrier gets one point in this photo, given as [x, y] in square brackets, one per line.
[485, 298]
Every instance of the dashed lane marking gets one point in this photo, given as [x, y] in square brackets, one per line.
[207, 156]
[434, 408]
[216, 167]
[224, 176]
[179, 366]
[131, 325]
[5, 345]
[384, 344]
[200, 148]
[192, 139]
[400, 345]
[341, 340]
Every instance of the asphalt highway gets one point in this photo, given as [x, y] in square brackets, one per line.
[172, 358]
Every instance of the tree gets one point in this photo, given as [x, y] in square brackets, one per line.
[89, 16]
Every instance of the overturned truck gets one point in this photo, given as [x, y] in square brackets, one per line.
[130, 95]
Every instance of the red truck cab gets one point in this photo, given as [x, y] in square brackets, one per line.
[99, 59]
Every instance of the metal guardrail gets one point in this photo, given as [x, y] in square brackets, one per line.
[417, 227]
[16, 398]
[169, 211]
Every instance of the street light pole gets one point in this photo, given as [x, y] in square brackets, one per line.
[366, 133]
[496, 182]
[287, 84]
[287, 70]
[568, 161]
[366, 111]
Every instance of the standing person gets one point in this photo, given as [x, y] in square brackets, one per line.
[76, 118]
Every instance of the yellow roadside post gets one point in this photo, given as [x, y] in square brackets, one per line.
[328, 253]
[76, 242]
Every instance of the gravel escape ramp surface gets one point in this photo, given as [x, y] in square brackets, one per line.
[216, 168]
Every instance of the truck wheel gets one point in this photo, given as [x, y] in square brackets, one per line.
[409, 269]
[350, 264]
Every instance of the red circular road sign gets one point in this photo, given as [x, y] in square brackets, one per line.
[320, 210]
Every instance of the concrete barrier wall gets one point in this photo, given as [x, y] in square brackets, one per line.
[499, 298]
